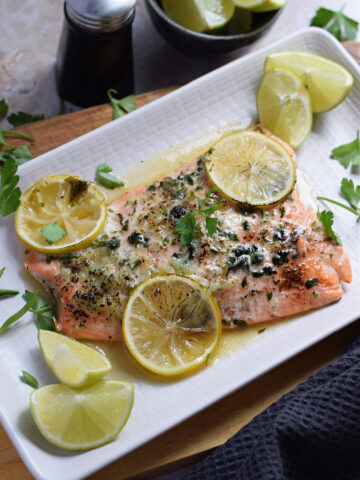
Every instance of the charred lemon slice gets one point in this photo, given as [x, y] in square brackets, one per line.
[171, 325]
[251, 168]
[60, 214]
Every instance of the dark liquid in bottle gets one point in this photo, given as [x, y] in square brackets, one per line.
[89, 63]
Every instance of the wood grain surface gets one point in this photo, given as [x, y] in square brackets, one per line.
[195, 437]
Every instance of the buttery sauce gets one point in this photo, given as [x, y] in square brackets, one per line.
[155, 167]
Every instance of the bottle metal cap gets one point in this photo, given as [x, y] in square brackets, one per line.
[100, 15]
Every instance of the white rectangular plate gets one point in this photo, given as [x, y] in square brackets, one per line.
[223, 96]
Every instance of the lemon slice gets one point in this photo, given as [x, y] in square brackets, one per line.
[171, 325]
[260, 5]
[75, 205]
[328, 82]
[284, 106]
[199, 15]
[79, 419]
[72, 362]
[251, 168]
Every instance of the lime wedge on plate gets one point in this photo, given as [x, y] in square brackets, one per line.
[199, 15]
[72, 362]
[251, 168]
[328, 82]
[284, 106]
[260, 5]
[79, 419]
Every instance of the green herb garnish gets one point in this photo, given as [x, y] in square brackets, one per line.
[348, 153]
[53, 233]
[8, 293]
[19, 313]
[3, 142]
[9, 192]
[105, 178]
[22, 118]
[20, 155]
[351, 194]
[336, 23]
[327, 219]
[186, 225]
[122, 105]
[43, 310]
[29, 379]
[3, 108]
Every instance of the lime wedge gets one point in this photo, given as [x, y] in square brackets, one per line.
[79, 419]
[327, 81]
[260, 5]
[284, 106]
[72, 362]
[199, 15]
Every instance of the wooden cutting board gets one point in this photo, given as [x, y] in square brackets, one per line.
[197, 436]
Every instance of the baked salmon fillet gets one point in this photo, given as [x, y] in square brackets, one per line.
[259, 265]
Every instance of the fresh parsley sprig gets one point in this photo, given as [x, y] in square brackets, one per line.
[16, 316]
[22, 118]
[14, 133]
[3, 109]
[20, 155]
[122, 105]
[351, 194]
[186, 225]
[327, 219]
[336, 23]
[43, 310]
[9, 192]
[105, 178]
[348, 153]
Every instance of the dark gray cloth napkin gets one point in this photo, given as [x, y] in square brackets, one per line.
[312, 433]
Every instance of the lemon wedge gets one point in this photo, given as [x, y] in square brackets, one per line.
[72, 204]
[260, 5]
[72, 362]
[251, 168]
[284, 106]
[80, 419]
[199, 15]
[328, 82]
[171, 325]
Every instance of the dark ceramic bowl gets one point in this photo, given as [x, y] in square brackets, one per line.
[201, 44]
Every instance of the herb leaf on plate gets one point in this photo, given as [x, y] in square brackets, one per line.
[22, 118]
[43, 310]
[8, 293]
[53, 233]
[327, 219]
[350, 192]
[348, 153]
[29, 379]
[9, 192]
[336, 23]
[105, 178]
[122, 105]
[16, 316]
[185, 227]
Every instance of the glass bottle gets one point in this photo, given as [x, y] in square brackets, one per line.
[95, 51]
